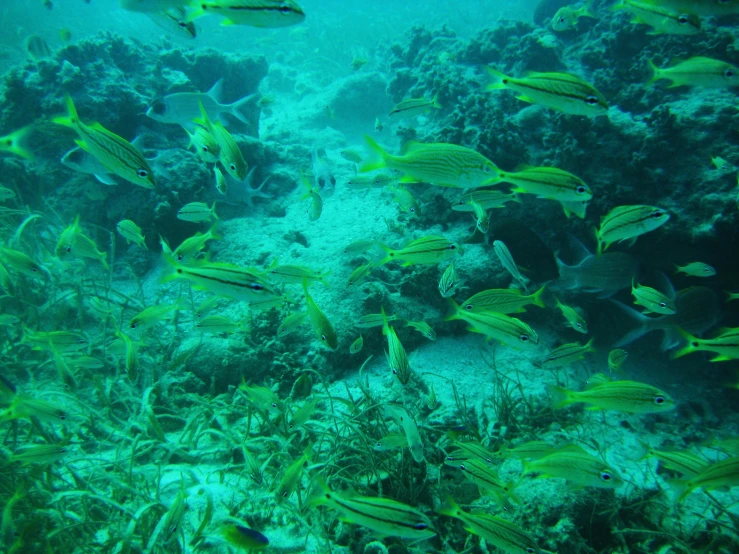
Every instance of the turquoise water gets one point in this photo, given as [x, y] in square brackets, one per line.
[418, 277]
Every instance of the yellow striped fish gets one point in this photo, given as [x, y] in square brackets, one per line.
[663, 19]
[397, 359]
[505, 329]
[254, 13]
[230, 154]
[442, 164]
[426, 250]
[628, 223]
[725, 345]
[548, 182]
[724, 473]
[559, 91]
[114, 152]
[622, 396]
[321, 324]
[567, 354]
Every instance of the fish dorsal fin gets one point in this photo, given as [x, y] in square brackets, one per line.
[411, 146]
[216, 91]
[571, 448]
[580, 251]
[595, 380]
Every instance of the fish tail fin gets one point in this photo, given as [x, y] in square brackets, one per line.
[71, 118]
[213, 231]
[536, 297]
[454, 310]
[689, 348]
[510, 488]
[640, 319]
[654, 72]
[171, 263]
[165, 246]
[561, 396]
[213, 210]
[381, 157]
[680, 488]
[16, 142]
[589, 345]
[238, 108]
[499, 79]
[435, 101]
[587, 10]
[449, 508]
[601, 248]
[641, 450]
[318, 492]
[388, 252]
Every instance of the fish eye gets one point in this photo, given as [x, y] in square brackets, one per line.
[580, 190]
[683, 19]
[420, 526]
[142, 173]
[233, 167]
[468, 307]
[285, 9]
[695, 344]
[205, 149]
[461, 466]
[159, 107]
[562, 19]
[413, 210]
[323, 338]
[524, 338]
[659, 400]
[663, 304]
[530, 550]
[134, 325]
[605, 476]
[729, 73]
[182, 24]
[395, 371]
[707, 269]
[591, 100]
[656, 214]
[452, 247]
[34, 269]
[68, 249]
[284, 494]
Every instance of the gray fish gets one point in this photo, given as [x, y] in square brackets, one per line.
[37, 48]
[182, 108]
[605, 274]
[698, 309]
[84, 162]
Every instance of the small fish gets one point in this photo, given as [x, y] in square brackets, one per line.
[731, 296]
[321, 324]
[616, 359]
[117, 154]
[628, 223]
[360, 246]
[181, 108]
[173, 516]
[26, 407]
[217, 324]
[174, 21]
[262, 397]
[696, 72]
[505, 329]
[6, 194]
[294, 274]
[20, 262]
[61, 341]
[374, 320]
[725, 345]
[438, 164]
[526, 450]
[622, 396]
[315, 208]
[362, 182]
[39, 454]
[396, 356]
[423, 328]
[559, 91]
[469, 450]
[85, 362]
[696, 269]
[722, 165]
[82, 161]
[386, 517]
[547, 182]
[404, 420]
[244, 538]
[291, 323]
[426, 251]
[360, 274]
[445, 58]
[351, 155]
[405, 200]
[190, 248]
[358, 63]
[507, 261]
[566, 18]
[662, 19]
[292, 475]
[253, 13]
[230, 154]
[131, 232]
[684, 462]
[206, 147]
[266, 101]
[391, 441]
[724, 473]
[574, 464]
[572, 317]
[197, 211]
[487, 199]
[221, 184]
[37, 48]
[357, 345]
[653, 300]
[415, 106]
[486, 478]
[567, 354]
[504, 301]
[498, 532]
[482, 219]
[378, 125]
[449, 282]
[232, 281]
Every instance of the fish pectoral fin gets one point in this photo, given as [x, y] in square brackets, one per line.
[524, 98]
[721, 358]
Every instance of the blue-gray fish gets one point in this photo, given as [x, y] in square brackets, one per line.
[37, 48]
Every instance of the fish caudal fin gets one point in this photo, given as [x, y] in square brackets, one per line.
[449, 508]
[381, 156]
[690, 347]
[319, 492]
[536, 297]
[560, 396]
[15, 143]
[435, 101]
[499, 79]
[71, 118]
[238, 108]
[654, 72]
